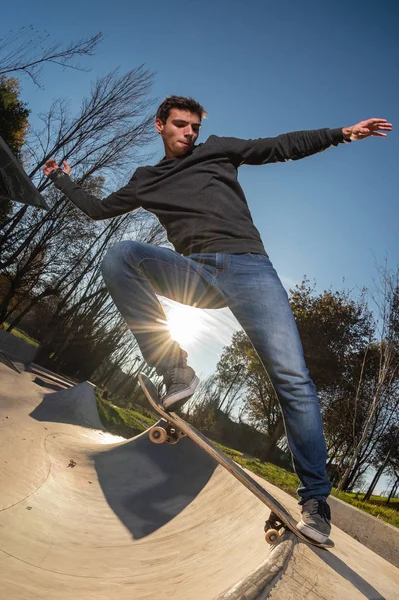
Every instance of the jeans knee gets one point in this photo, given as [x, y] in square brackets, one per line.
[113, 258]
[122, 259]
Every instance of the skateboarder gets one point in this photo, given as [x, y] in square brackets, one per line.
[219, 260]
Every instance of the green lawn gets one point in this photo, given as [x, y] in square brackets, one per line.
[121, 421]
[375, 507]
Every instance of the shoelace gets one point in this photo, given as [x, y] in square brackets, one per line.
[321, 507]
[171, 376]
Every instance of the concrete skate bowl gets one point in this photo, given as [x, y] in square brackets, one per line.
[84, 514]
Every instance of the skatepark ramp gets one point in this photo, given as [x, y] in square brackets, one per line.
[84, 514]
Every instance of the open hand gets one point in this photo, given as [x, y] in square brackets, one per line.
[51, 165]
[371, 127]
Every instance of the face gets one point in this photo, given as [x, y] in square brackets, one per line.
[179, 133]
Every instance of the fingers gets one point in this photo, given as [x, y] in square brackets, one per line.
[378, 130]
[375, 127]
[377, 120]
[49, 166]
[67, 167]
[379, 124]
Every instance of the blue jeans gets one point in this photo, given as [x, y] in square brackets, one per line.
[248, 284]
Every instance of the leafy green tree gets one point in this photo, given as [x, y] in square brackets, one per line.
[13, 126]
[13, 115]
[243, 380]
[333, 327]
[387, 457]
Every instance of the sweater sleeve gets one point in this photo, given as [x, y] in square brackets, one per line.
[114, 205]
[288, 146]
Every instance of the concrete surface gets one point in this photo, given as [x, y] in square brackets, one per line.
[374, 533]
[86, 515]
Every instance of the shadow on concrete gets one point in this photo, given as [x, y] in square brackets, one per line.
[347, 573]
[73, 406]
[145, 484]
[148, 484]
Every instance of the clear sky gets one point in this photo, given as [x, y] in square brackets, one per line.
[261, 68]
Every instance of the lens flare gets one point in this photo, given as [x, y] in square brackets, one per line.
[184, 323]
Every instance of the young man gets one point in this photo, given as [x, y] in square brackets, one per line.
[219, 261]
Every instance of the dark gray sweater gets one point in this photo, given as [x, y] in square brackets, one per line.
[197, 197]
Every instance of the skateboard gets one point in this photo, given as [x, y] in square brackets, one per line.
[171, 428]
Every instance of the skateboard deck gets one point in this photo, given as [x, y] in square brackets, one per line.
[172, 427]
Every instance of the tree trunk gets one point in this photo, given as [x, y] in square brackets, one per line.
[271, 442]
[376, 477]
[393, 490]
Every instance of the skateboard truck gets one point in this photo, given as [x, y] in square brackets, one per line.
[165, 431]
[273, 527]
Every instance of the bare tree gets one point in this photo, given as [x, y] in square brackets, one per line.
[106, 135]
[104, 138]
[24, 51]
[387, 381]
[84, 297]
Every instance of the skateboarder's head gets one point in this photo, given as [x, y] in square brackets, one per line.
[178, 121]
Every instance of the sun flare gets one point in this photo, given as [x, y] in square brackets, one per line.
[185, 323]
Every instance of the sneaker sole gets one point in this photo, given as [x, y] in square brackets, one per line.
[312, 533]
[177, 400]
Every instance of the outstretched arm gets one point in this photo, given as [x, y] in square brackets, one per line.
[114, 205]
[297, 144]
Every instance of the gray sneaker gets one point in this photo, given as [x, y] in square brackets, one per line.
[316, 520]
[180, 383]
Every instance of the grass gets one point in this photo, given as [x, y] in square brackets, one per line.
[375, 508]
[121, 421]
[279, 477]
[23, 336]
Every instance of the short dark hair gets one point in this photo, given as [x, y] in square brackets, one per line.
[183, 104]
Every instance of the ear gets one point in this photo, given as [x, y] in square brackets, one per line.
[159, 125]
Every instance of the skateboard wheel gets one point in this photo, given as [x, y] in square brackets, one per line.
[271, 536]
[158, 435]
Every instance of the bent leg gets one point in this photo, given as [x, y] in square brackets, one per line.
[134, 273]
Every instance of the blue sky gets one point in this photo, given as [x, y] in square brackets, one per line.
[262, 68]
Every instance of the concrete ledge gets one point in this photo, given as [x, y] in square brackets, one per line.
[375, 534]
[8, 362]
[257, 585]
